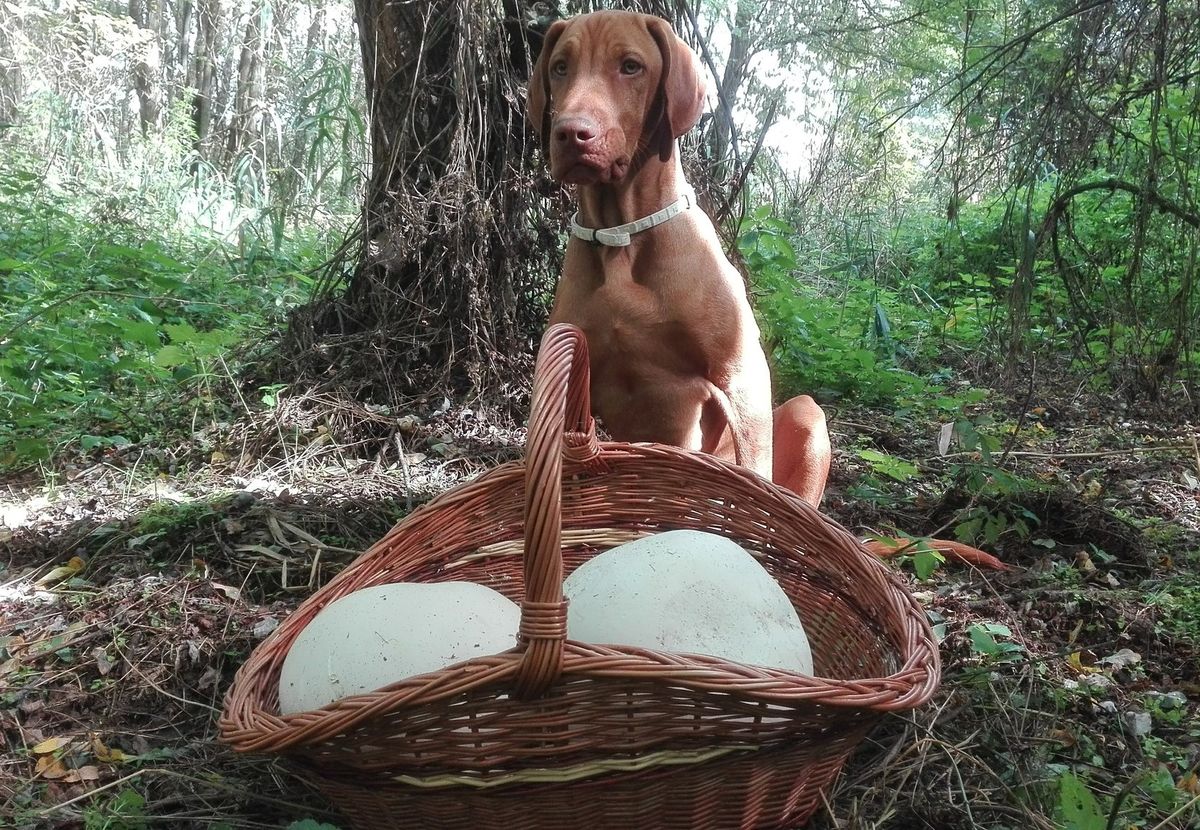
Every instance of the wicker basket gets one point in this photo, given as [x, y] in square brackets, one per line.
[561, 734]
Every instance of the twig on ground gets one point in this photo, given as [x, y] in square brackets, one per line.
[1094, 454]
[1165, 822]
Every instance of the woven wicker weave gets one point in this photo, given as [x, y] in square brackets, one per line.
[562, 734]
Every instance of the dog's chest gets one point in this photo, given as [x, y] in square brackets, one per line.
[611, 288]
[632, 323]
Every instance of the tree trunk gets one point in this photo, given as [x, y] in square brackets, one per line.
[244, 127]
[455, 257]
[204, 67]
[12, 83]
[724, 134]
[147, 66]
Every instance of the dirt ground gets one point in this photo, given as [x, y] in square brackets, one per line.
[133, 583]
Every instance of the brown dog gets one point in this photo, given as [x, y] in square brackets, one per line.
[675, 351]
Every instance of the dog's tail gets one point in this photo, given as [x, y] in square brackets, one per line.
[955, 551]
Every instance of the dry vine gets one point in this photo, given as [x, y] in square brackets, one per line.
[455, 252]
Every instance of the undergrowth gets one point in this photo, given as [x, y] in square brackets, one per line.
[857, 336]
[877, 312]
[114, 326]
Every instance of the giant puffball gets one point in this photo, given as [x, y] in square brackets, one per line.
[687, 592]
[376, 636]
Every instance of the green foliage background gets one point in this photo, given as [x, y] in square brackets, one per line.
[143, 267]
[113, 331]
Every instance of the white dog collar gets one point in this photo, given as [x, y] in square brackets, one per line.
[619, 236]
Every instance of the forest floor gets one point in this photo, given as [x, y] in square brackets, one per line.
[134, 581]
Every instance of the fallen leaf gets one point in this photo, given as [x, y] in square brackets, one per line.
[74, 565]
[60, 640]
[50, 767]
[106, 755]
[30, 706]
[1122, 659]
[11, 645]
[228, 590]
[49, 745]
[103, 664]
[1075, 661]
[944, 436]
[87, 773]
[1064, 737]
[1190, 784]
[1139, 724]
[209, 679]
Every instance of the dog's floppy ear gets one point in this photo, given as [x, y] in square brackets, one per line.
[537, 100]
[679, 100]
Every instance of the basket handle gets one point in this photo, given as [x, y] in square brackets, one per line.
[560, 423]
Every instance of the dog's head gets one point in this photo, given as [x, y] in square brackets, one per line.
[611, 89]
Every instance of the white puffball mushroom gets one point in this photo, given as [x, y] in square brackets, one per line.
[377, 636]
[687, 592]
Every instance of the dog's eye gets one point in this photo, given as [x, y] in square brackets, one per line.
[558, 68]
[630, 67]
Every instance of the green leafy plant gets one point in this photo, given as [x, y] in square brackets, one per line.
[924, 559]
[894, 468]
[107, 331]
[1079, 807]
[827, 346]
[985, 642]
[123, 811]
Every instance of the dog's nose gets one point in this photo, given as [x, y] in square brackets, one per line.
[575, 132]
